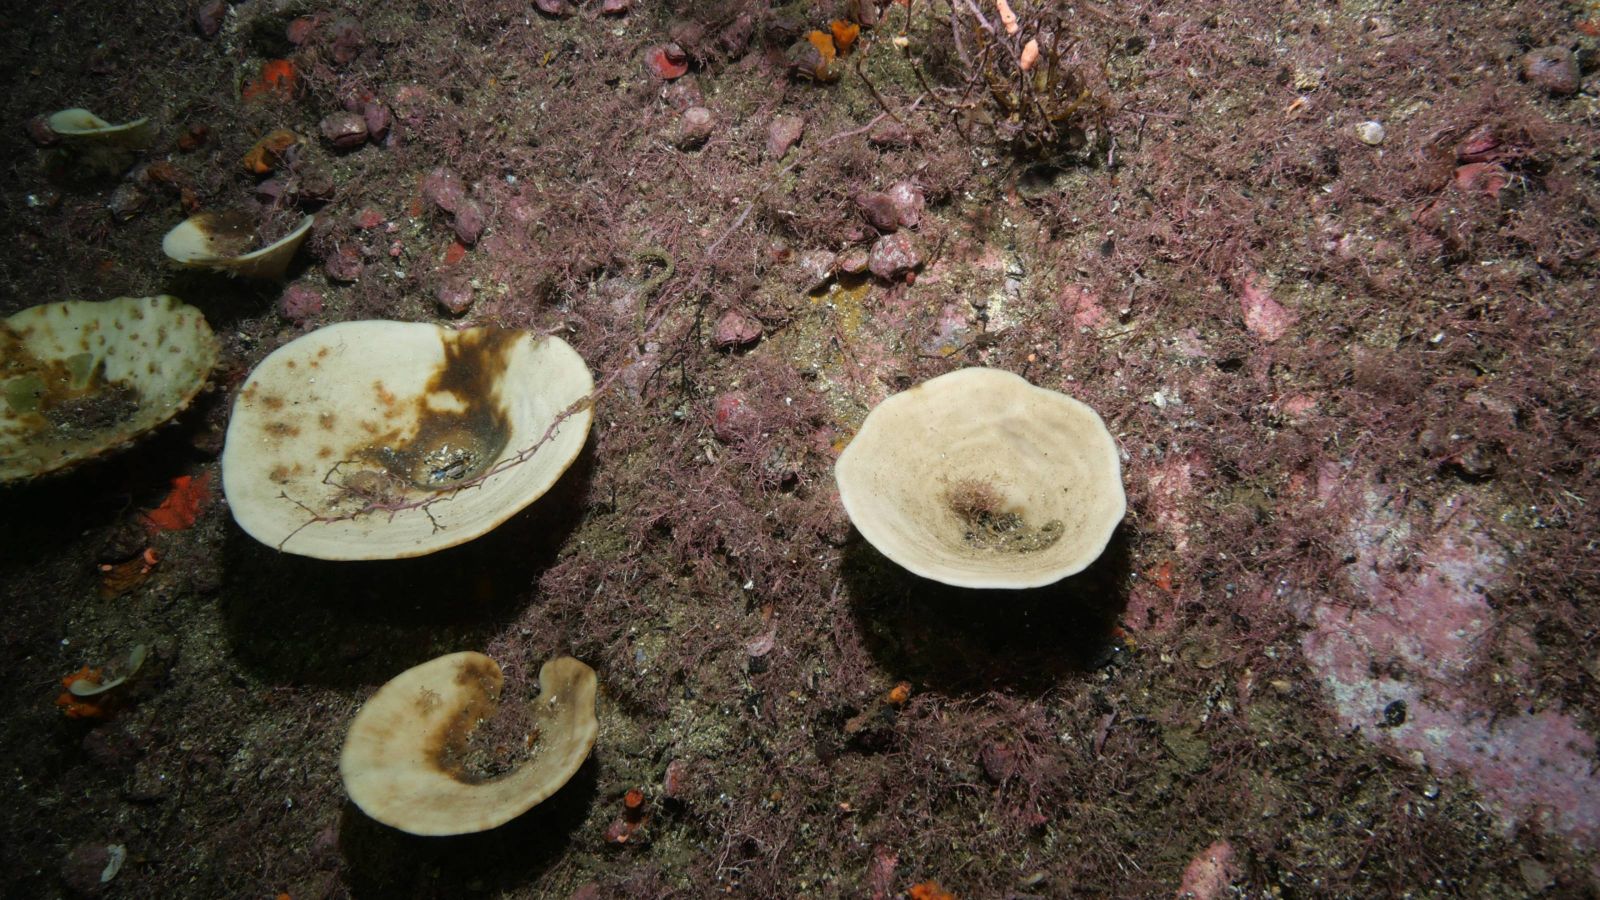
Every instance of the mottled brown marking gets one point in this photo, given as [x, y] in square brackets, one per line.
[279, 474]
[327, 420]
[282, 429]
[272, 401]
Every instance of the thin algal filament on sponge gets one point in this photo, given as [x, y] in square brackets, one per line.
[990, 525]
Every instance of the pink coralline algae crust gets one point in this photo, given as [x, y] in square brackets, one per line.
[1424, 628]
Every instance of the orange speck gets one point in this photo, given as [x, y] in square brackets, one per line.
[414, 208]
[268, 152]
[277, 80]
[930, 890]
[182, 506]
[844, 34]
[634, 799]
[1590, 27]
[1161, 576]
[454, 253]
[899, 694]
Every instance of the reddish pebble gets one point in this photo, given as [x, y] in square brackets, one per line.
[735, 329]
[369, 218]
[667, 61]
[454, 253]
[615, 7]
[299, 302]
[558, 8]
[854, 261]
[894, 255]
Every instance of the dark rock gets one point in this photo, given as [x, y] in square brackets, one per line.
[894, 255]
[348, 39]
[999, 761]
[344, 130]
[890, 134]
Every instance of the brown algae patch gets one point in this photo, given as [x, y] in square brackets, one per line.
[989, 525]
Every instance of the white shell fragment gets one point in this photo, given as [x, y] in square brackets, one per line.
[80, 126]
[383, 440]
[221, 242]
[402, 759]
[979, 479]
[1370, 133]
[81, 378]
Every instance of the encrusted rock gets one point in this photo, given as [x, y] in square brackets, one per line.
[854, 261]
[378, 119]
[894, 255]
[816, 267]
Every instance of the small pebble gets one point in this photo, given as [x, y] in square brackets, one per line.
[378, 118]
[444, 189]
[734, 330]
[344, 264]
[299, 302]
[469, 222]
[454, 296]
[1371, 133]
[1553, 69]
[908, 202]
[344, 130]
[783, 133]
[694, 128]
[894, 255]
[854, 261]
[816, 267]
[208, 17]
[666, 62]
[879, 211]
